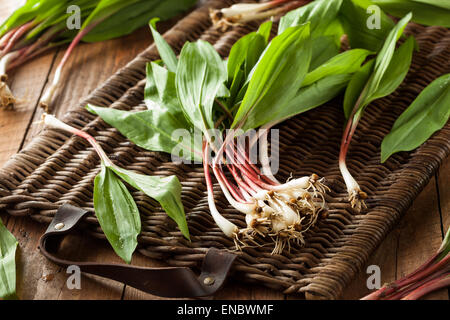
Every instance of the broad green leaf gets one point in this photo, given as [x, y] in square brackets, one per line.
[344, 63]
[105, 9]
[427, 12]
[354, 19]
[396, 70]
[245, 53]
[428, 113]
[156, 128]
[165, 190]
[123, 17]
[315, 95]
[117, 213]
[366, 86]
[200, 75]
[320, 14]
[281, 69]
[323, 49]
[8, 247]
[165, 51]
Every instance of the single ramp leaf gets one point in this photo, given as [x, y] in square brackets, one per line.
[117, 213]
[428, 113]
[165, 190]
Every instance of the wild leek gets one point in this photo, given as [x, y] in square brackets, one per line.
[115, 208]
[433, 275]
[40, 25]
[378, 78]
[192, 88]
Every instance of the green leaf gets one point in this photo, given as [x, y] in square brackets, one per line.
[200, 76]
[8, 247]
[281, 69]
[323, 49]
[426, 115]
[320, 14]
[389, 70]
[165, 190]
[396, 70]
[344, 63]
[314, 95]
[165, 51]
[354, 18]
[245, 52]
[117, 213]
[427, 12]
[356, 87]
[123, 17]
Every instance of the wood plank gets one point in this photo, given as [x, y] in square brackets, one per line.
[415, 239]
[444, 194]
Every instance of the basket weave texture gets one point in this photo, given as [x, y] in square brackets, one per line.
[56, 168]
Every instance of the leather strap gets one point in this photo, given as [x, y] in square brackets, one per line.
[172, 282]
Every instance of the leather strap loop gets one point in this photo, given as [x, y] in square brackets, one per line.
[171, 282]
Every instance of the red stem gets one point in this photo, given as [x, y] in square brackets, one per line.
[241, 183]
[5, 39]
[231, 187]
[16, 36]
[75, 42]
[436, 284]
[397, 286]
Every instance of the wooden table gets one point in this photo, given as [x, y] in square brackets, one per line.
[417, 236]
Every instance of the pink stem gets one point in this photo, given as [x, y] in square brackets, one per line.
[232, 188]
[436, 284]
[16, 36]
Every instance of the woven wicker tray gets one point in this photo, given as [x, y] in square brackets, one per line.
[55, 169]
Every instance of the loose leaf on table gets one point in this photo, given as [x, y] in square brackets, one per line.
[390, 68]
[354, 18]
[165, 51]
[281, 68]
[8, 246]
[427, 12]
[165, 190]
[200, 75]
[117, 213]
[320, 14]
[154, 129]
[428, 113]
[119, 17]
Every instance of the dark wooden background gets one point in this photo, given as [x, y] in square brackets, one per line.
[417, 236]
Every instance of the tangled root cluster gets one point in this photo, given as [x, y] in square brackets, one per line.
[286, 214]
[7, 99]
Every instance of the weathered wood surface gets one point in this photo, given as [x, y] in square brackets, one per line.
[407, 246]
